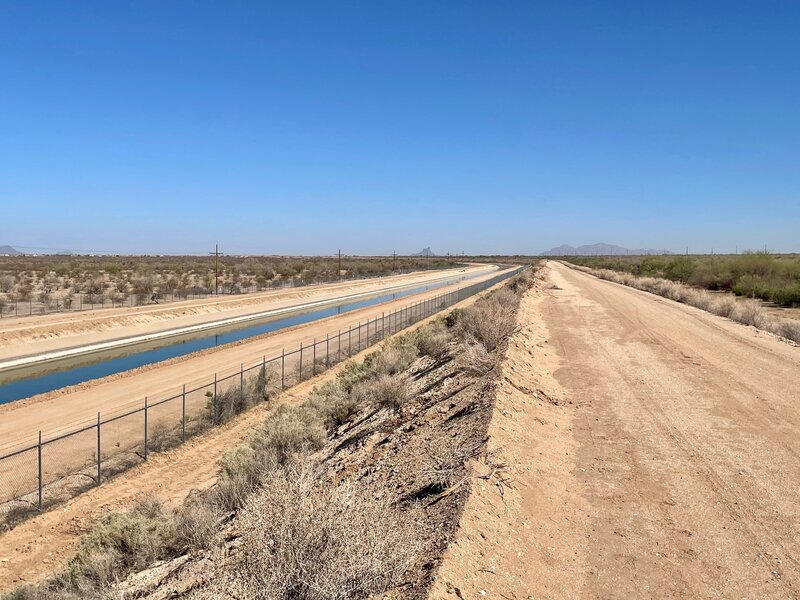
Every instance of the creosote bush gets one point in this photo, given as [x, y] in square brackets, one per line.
[384, 391]
[432, 340]
[319, 542]
[474, 358]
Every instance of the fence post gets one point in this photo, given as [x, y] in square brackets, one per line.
[40, 469]
[145, 427]
[327, 351]
[98, 448]
[350, 341]
[359, 336]
[339, 347]
[301, 361]
[241, 378]
[383, 325]
[283, 365]
[314, 360]
[214, 405]
[183, 414]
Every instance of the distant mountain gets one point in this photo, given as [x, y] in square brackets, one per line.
[8, 251]
[600, 250]
[425, 252]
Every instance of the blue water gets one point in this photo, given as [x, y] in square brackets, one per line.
[70, 375]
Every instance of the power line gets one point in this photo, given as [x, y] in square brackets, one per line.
[216, 254]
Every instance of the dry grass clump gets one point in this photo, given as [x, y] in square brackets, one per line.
[117, 544]
[474, 358]
[488, 321]
[333, 403]
[384, 391]
[196, 523]
[395, 357]
[445, 460]
[432, 340]
[239, 397]
[304, 540]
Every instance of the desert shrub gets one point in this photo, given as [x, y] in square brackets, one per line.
[333, 403]
[290, 430]
[522, 282]
[395, 357]
[474, 358]
[749, 312]
[724, 306]
[787, 296]
[7, 283]
[353, 373]
[444, 460]
[304, 539]
[384, 391]
[488, 321]
[432, 340]
[452, 317]
[227, 404]
[788, 329]
[266, 384]
[241, 472]
[118, 543]
[195, 523]
[160, 437]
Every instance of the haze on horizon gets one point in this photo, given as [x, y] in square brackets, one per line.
[306, 128]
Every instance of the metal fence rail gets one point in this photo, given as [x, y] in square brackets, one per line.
[61, 466]
[81, 302]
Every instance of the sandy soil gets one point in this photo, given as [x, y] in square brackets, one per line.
[41, 545]
[47, 333]
[665, 466]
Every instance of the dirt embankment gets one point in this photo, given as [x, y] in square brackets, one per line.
[652, 453]
[413, 456]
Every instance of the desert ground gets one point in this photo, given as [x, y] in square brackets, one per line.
[652, 450]
[39, 546]
[66, 408]
[637, 448]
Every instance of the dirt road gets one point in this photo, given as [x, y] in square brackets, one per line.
[665, 466]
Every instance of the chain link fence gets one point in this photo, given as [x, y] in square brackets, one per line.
[59, 467]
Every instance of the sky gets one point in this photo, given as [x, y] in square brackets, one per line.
[483, 127]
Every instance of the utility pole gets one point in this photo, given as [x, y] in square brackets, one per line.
[216, 254]
[339, 254]
[394, 260]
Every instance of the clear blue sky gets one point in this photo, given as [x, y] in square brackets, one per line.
[503, 127]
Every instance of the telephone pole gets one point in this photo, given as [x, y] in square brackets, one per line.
[339, 254]
[216, 255]
[394, 260]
